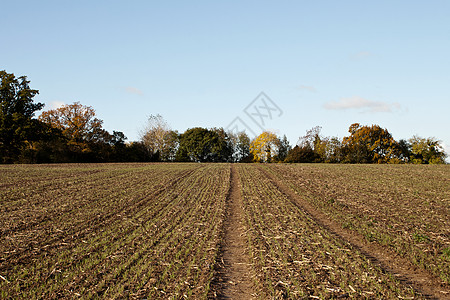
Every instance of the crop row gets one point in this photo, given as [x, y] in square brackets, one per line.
[294, 257]
[404, 208]
[119, 232]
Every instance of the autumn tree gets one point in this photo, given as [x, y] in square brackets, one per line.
[78, 124]
[370, 144]
[264, 147]
[426, 150]
[18, 128]
[160, 140]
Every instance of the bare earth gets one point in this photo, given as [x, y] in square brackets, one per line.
[234, 276]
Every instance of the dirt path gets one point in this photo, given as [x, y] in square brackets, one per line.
[386, 259]
[234, 276]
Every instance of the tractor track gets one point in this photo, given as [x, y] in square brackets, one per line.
[390, 262]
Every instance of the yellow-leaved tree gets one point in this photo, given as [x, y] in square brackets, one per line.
[264, 147]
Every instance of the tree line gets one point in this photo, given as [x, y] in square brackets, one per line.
[73, 133]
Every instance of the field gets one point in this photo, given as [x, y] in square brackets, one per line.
[206, 231]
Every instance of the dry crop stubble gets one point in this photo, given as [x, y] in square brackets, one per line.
[296, 257]
[154, 230]
[403, 208]
[119, 230]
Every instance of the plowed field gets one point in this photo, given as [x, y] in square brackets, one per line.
[227, 231]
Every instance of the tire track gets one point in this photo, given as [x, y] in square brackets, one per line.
[387, 260]
[233, 279]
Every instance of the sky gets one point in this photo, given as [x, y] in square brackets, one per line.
[283, 66]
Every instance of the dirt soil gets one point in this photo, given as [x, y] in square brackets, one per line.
[234, 277]
[390, 262]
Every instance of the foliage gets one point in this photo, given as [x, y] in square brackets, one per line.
[17, 108]
[73, 133]
[426, 150]
[264, 147]
[81, 138]
[369, 144]
[160, 140]
[405, 150]
[333, 150]
[240, 143]
[78, 124]
[302, 154]
[283, 148]
[204, 145]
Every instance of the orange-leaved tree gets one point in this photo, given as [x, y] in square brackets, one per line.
[370, 144]
[77, 123]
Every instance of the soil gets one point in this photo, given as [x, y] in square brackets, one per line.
[390, 262]
[234, 277]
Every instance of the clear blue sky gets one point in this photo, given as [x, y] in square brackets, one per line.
[200, 63]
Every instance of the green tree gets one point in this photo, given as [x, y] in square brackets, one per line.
[18, 129]
[302, 154]
[204, 145]
[426, 150]
[240, 144]
[283, 148]
[243, 148]
[223, 148]
[405, 150]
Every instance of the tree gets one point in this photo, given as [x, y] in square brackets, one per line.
[17, 126]
[86, 139]
[283, 148]
[223, 148]
[333, 150]
[204, 145]
[311, 137]
[405, 150]
[77, 122]
[137, 152]
[301, 154]
[370, 144]
[264, 147]
[159, 139]
[240, 146]
[315, 142]
[426, 150]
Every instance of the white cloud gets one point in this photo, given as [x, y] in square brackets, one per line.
[307, 88]
[133, 90]
[55, 104]
[362, 104]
